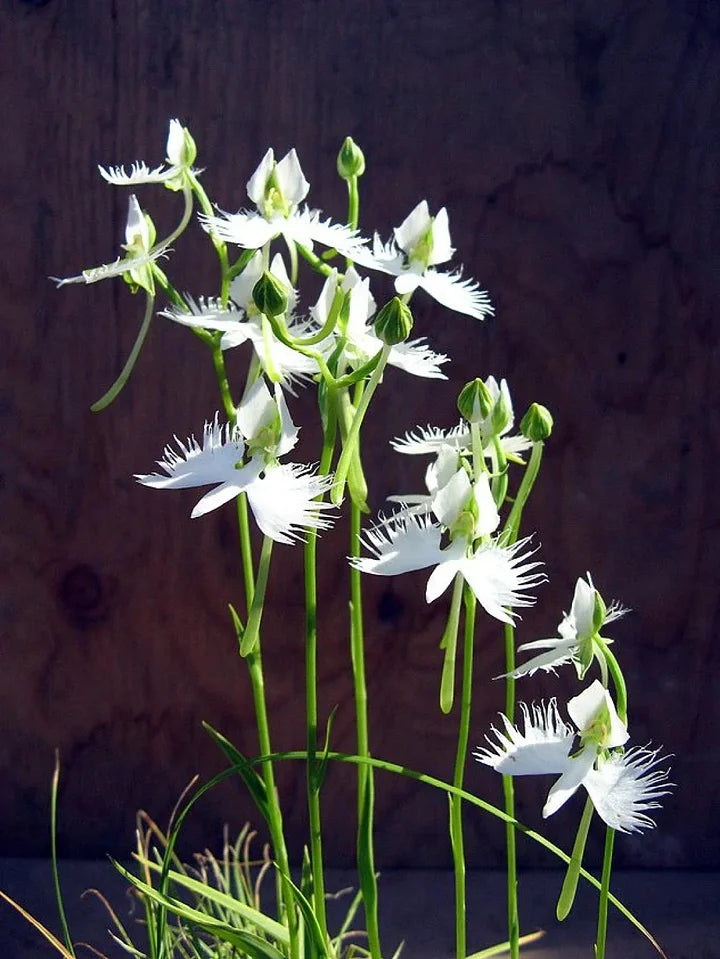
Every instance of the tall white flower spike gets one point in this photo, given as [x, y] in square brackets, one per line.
[360, 342]
[180, 150]
[139, 239]
[420, 243]
[244, 459]
[622, 785]
[277, 189]
[574, 643]
[499, 576]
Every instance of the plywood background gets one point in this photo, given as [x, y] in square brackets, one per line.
[576, 147]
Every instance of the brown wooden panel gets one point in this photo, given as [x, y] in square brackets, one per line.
[576, 147]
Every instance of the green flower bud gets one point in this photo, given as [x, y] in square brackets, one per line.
[501, 414]
[269, 295]
[350, 160]
[537, 423]
[475, 401]
[394, 322]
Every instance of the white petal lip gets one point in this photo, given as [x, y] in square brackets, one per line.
[431, 439]
[627, 785]
[195, 465]
[462, 296]
[207, 313]
[558, 652]
[400, 545]
[416, 357]
[567, 785]
[138, 174]
[499, 576]
[283, 502]
[542, 748]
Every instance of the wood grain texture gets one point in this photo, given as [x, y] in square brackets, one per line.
[576, 146]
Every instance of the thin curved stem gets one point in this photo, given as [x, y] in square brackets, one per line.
[601, 938]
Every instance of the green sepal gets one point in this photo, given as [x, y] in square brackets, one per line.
[319, 767]
[239, 628]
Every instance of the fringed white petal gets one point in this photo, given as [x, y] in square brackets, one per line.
[627, 785]
[248, 230]
[558, 652]
[499, 577]
[307, 226]
[400, 544]
[463, 296]
[431, 439]
[542, 748]
[205, 312]
[108, 270]
[139, 173]
[195, 465]
[283, 502]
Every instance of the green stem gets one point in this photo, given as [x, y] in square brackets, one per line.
[365, 777]
[353, 205]
[456, 825]
[513, 915]
[107, 398]
[315, 262]
[604, 894]
[220, 246]
[246, 550]
[311, 683]
[223, 383]
[275, 823]
[530, 475]
[343, 465]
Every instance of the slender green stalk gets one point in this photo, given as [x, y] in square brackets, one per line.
[617, 676]
[311, 697]
[528, 481]
[343, 465]
[448, 643]
[365, 778]
[275, 823]
[246, 550]
[601, 937]
[456, 825]
[513, 915]
[221, 374]
[107, 398]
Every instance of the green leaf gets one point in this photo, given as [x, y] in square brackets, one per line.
[572, 876]
[253, 946]
[270, 927]
[244, 769]
[319, 946]
[319, 770]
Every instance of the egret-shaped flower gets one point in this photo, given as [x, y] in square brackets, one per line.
[241, 322]
[577, 631]
[357, 333]
[622, 785]
[420, 243]
[135, 267]
[181, 153]
[243, 458]
[498, 575]
[277, 189]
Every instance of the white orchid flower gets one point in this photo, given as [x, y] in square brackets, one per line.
[621, 785]
[241, 322]
[420, 243]
[498, 575]
[244, 459]
[139, 238]
[277, 189]
[574, 644]
[180, 150]
[360, 341]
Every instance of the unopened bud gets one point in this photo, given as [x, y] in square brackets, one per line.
[537, 424]
[475, 401]
[270, 295]
[350, 160]
[394, 322]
